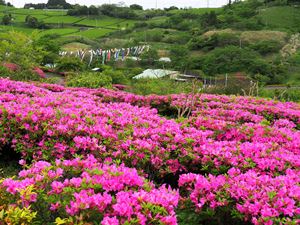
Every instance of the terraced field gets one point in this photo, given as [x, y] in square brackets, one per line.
[64, 25]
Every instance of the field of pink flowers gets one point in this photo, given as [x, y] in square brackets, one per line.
[98, 156]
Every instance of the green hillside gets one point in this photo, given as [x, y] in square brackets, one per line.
[282, 18]
[248, 37]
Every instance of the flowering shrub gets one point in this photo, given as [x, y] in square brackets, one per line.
[249, 146]
[263, 199]
[84, 190]
[39, 72]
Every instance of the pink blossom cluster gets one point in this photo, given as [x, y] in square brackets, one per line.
[263, 199]
[86, 189]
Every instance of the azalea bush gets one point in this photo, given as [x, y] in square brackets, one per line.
[231, 151]
[253, 196]
[85, 191]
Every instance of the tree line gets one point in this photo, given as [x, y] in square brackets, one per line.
[51, 4]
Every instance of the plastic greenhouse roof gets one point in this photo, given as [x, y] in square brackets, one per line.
[158, 73]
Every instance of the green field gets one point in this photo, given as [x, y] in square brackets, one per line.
[286, 17]
[65, 25]
[34, 12]
[93, 33]
[64, 31]
[103, 21]
[73, 46]
[62, 24]
[62, 19]
[196, 11]
[16, 28]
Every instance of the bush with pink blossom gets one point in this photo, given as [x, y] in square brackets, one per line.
[232, 157]
[81, 191]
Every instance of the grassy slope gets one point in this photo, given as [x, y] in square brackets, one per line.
[282, 18]
[94, 33]
[196, 11]
[285, 18]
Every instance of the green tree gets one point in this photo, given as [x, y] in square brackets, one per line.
[50, 46]
[136, 7]
[58, 4]
[293, 2]
[180, 58]
[209, 19]
[6, 19]
[32, 21]
[18, 48]
[148, 58]
[233, 59]
[227, 60]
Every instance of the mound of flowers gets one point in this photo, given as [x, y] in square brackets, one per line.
[84, 190]
[235, 153]
[261, 198]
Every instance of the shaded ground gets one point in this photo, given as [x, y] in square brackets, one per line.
[9, 163]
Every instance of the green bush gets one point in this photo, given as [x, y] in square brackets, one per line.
[149, 58]
[4, 72]
[159, 86]
[152, 36]
[234, 59]
[6, 19]
[24, 75]
[249, 24]
[295, 59]
[89, 80]
[213, 41]
[70, 64]
[266, 47]
[118, 77]
[22, 49]
[287, 94]
[135, 71]
[272, 3]
[178, 38]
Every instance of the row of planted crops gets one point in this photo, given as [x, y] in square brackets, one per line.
[97, 156]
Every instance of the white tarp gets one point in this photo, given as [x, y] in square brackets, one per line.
[152, 74]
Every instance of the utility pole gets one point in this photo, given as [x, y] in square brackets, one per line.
[156, 4]
[207, 3]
